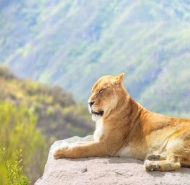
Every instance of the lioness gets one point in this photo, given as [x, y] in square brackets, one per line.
[124, 128]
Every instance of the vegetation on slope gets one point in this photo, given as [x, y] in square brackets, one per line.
[28, 109]
[59, 116]
[18, 132]
[15, 175]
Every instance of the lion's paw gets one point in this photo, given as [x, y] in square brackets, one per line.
[151, 165]
[58, 152]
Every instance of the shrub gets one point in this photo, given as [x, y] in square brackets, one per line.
[14, 169]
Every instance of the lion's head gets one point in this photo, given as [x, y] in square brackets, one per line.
[106, 95]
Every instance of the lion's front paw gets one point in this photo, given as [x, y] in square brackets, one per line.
[60, 151]
[151, 165]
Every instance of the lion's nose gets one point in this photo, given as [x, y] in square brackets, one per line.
[91, 103]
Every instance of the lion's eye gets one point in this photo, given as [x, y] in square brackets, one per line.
[100, 91]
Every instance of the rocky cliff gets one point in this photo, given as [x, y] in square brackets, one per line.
[107, 171]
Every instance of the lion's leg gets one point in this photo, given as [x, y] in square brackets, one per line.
[171, 162]
[185, 162]
[74, 150]
[164, 165]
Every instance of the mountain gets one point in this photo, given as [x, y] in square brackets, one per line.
[73, 43]
[58, 115]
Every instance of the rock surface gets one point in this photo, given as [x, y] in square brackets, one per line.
[105, 171]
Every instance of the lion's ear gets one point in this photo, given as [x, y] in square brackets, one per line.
[117, 80]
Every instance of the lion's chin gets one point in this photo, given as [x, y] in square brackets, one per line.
[96, 118]
[96, 115]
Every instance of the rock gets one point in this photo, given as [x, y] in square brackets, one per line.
[106, 170]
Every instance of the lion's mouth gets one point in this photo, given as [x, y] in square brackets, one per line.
[100, 113]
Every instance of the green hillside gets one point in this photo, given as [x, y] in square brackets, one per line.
[32, 117]
[73, 43]
[23, 149]
[59, 116]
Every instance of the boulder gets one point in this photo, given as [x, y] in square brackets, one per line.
[105, 170]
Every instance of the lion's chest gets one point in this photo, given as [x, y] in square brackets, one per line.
[99, 132]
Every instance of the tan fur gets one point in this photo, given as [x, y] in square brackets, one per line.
[129, 130]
